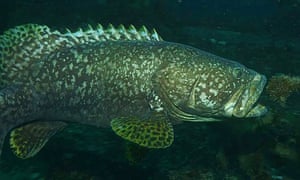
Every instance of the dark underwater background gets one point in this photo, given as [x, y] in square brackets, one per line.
[261, 34]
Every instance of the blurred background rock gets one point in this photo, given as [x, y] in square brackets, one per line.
[262, 34]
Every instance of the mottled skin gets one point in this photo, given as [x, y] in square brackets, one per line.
[92, 83]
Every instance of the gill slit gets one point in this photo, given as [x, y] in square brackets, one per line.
[172, 109]
[191, 101]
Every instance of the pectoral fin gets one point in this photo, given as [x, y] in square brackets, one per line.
[28, 140]
[156, 132]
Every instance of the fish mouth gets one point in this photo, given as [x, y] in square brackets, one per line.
[244, 102]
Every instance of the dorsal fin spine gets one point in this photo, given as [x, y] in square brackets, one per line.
[90, 27]
[132, 29]
[122, 28]
[68, 31]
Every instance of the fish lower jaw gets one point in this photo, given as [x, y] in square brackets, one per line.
[231, 110]
[258, 110]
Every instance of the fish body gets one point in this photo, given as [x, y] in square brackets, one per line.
[130, 80]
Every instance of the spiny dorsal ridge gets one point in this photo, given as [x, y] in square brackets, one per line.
[112, 33]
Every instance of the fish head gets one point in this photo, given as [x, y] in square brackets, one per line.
[208, 87]
[229, 90]
[242, 101]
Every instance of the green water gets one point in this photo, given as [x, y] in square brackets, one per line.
[263, 35]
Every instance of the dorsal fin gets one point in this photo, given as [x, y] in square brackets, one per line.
[25, 45]
[112, 33]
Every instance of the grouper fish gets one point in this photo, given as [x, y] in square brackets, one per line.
[127, 79]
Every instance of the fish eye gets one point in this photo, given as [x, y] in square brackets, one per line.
[237, 72]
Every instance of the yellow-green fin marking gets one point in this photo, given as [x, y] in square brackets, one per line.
[28, 140]
[151, 133]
